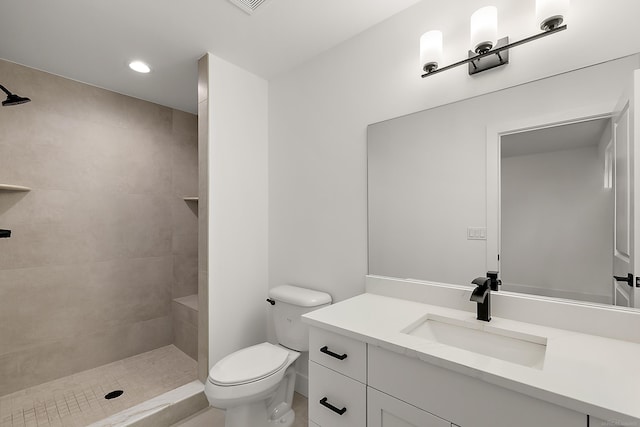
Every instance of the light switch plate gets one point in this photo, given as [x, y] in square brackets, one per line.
[476, 233]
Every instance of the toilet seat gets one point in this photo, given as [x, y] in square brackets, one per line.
[249, 365]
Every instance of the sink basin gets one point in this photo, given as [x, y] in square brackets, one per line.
[511, 346]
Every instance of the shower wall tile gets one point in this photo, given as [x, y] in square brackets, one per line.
[185, 165]
[104, 241]
[185, 123]
[186, 243]
[185, 329]
[185, 273]
[91, 238]
[186, 338]
[184, 313]
[185, 217]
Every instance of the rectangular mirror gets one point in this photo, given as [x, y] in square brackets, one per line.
[434, 188]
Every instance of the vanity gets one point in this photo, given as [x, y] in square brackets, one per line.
[387, 358]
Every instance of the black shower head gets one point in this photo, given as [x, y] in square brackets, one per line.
[12, 98]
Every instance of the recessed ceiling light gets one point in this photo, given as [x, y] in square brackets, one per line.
[139, 66]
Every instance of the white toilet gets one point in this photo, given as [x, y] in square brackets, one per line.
[255, 385]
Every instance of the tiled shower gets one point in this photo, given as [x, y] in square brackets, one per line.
[103, 251]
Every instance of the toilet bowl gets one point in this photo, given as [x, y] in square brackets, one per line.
[252, 384]
[255, 385]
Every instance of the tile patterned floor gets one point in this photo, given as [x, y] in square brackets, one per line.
[212, 417]
[78, 400]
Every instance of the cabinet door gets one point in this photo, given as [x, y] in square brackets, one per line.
[386, 411]
[459, 398]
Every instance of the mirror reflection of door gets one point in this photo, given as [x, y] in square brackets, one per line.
[626, 220]
[557, 211]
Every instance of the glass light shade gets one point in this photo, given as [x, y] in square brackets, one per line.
[551, 13]
[484, 29]
[430, 50]
[139, 66]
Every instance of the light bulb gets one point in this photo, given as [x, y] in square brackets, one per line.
[139, 66]
[484, 29]
[430, 51]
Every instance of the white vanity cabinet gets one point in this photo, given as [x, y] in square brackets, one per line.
[352, 384]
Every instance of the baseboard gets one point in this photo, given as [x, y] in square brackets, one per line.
[302, 384]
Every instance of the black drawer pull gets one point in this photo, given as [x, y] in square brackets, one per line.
[326, 404]
[326, 350]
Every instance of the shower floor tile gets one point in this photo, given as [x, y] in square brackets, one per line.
[78, 400]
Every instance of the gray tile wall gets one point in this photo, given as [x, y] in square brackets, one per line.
[185, 329]
[104, 241]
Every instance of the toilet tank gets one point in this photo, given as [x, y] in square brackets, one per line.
[291, 302]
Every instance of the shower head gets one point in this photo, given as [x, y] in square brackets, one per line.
[12, 98]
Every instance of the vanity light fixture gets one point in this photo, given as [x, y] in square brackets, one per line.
[487, 51]
[431, 50]
[140, 67]
[12, 98]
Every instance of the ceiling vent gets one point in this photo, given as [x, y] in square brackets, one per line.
[249, 6]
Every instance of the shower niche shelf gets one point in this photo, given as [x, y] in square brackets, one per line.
[14, 188]
[190, 199]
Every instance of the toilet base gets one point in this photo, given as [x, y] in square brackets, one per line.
[255, 415]
[282, 415]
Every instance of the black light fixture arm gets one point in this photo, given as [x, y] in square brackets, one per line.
[5, 90]
[12, 98]
[496, 50]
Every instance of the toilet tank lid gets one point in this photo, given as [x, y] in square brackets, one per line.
[299, 296]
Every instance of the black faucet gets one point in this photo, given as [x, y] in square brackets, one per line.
[482, 295]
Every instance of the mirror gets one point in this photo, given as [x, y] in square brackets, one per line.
[434, 185]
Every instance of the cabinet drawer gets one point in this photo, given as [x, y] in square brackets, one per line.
[334, 399]
[342, 354]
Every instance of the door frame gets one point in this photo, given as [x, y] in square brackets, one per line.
[495, 131]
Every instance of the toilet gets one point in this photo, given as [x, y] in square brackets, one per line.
[255, 385]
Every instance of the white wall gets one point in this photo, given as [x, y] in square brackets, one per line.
[557, 224]
[238, 214]
[318, 114]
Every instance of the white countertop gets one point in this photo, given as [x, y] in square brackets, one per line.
[586, 373]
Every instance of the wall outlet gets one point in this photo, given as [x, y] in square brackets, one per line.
[476, 233]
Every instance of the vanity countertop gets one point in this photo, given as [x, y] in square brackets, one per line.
[586, 373]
